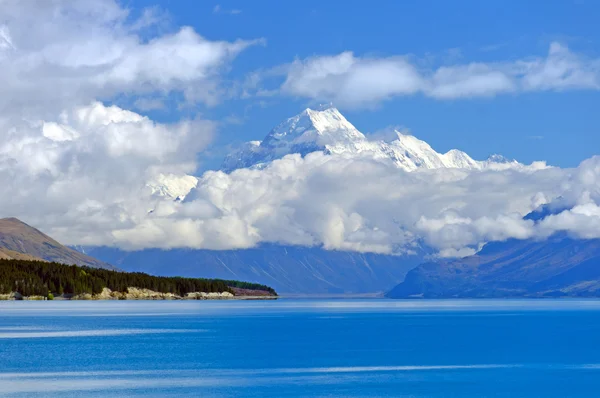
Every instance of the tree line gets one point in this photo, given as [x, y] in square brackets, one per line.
[37, 278]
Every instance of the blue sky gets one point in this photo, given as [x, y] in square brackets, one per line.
[561, 127]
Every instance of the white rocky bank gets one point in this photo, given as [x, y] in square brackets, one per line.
[132, 293]
[18, 296]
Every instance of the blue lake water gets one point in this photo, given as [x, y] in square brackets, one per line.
[304, 348]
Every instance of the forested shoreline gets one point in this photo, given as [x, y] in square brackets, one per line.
[37, 278]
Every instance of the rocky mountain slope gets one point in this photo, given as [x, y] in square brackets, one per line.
[19, 241]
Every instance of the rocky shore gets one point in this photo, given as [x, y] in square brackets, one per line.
[18, 296]
[134, 293]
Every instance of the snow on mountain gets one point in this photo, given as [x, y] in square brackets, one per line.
[172, 186]
[328, 130]
[310, 131]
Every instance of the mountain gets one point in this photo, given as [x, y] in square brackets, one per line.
[19, 241]
[327, 130]
[291, 269]
[555, 267]
[288, 269]
[172, 186]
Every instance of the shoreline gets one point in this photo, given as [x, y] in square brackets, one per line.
[134, 293]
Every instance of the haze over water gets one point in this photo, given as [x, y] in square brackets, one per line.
[290, 348]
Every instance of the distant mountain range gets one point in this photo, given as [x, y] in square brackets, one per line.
[19, 241]
[293, 269]
[288, 269]
[327, 130]
[559, 266]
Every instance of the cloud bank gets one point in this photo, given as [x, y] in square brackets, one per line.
[92, 164]
[353, 81]
[370, 206]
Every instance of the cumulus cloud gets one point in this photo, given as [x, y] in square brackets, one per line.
[63, 52]
[70, 163]
[355, 81]
[370, 206]
[352, 204]
[85, 173]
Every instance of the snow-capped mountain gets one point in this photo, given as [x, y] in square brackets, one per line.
[328, 130]
[172, 186]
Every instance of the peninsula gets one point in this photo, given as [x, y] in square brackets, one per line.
[39, 280]
[33, 266]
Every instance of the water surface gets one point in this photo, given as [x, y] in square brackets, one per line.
[304, 348]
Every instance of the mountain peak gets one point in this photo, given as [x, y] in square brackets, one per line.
[310, 131]
[14, 224]
[11, 220]
[326, 130]
[496, 158]
[330, 120]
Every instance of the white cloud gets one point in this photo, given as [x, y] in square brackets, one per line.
[84, 173]
[74, 166]
[352, 81]
[61, 53]
[560, 70]
[360, 205]
[363, 205]
[355, 80]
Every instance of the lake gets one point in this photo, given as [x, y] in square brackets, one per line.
[301, 348]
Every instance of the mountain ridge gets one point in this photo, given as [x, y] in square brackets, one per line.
[288, 269]
[327, 130]
[558, 266]
[20, 241]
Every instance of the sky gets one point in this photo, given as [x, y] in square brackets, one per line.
[107, 107]
[559, 125]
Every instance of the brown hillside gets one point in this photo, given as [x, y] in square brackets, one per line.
[20, 241]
